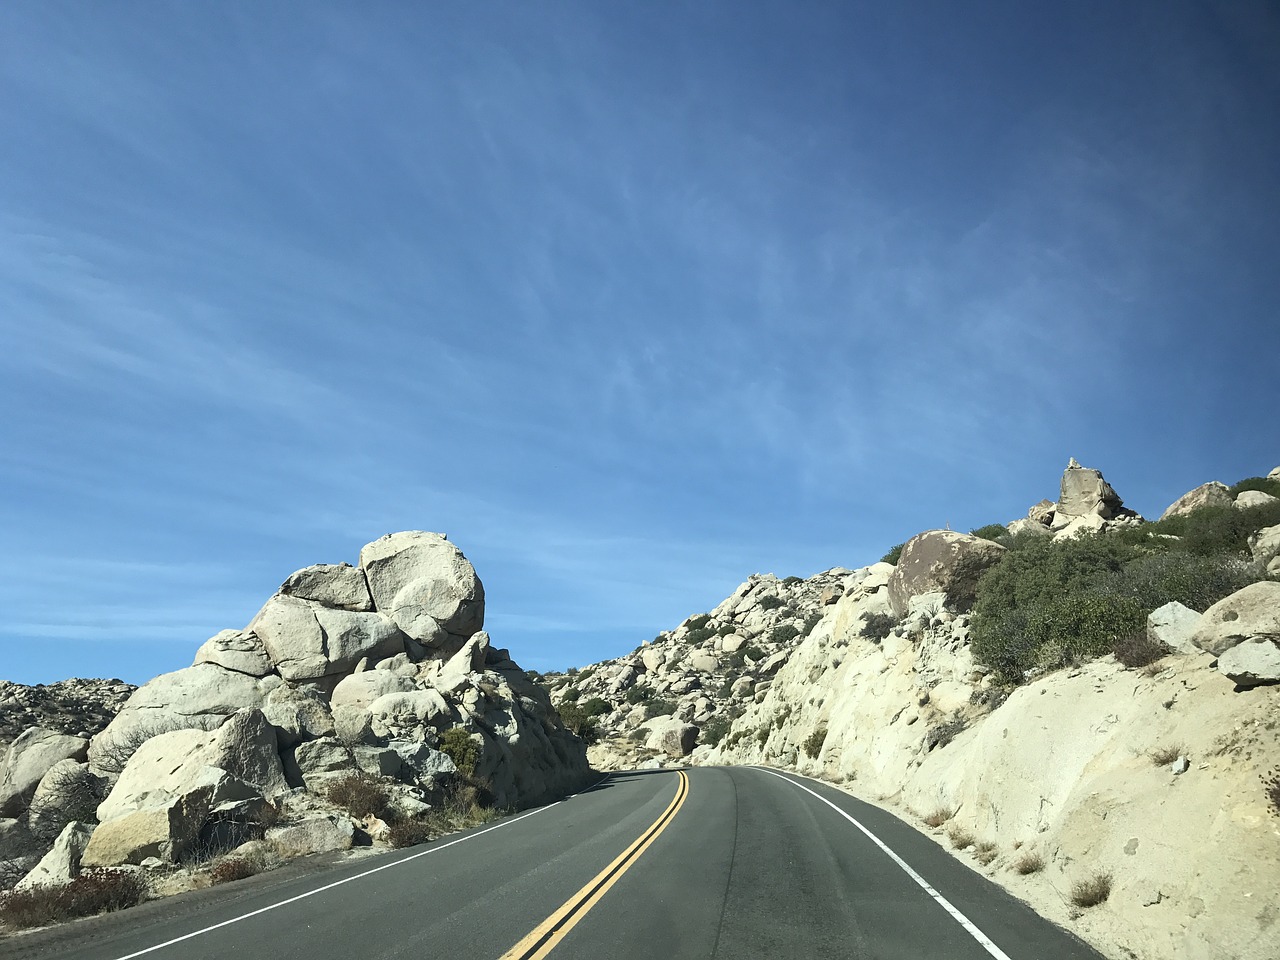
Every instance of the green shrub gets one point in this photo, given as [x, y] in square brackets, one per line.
[578, 723]
[813, 743]
[1138, 650]
[894, 554]
[714, 730]
[658, 707]
[639, 694]
[770, 602]
[462, 749]
[992, 531]
[792, 581]
[94, 891]
[811, 621]
[877, 626]
[596, 707]
[752, 652]
[1194, 580]
[1209, 531]
[698, 622]
[359, 794]
[571, 695]
[784, 633]
[700, 635]
[1271, 789]
[1263, 484]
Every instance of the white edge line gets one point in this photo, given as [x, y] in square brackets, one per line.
[358, 876]
[969, 926]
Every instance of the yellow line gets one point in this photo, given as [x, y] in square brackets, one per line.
[552, 930]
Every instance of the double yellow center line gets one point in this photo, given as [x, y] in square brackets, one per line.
[543, 939]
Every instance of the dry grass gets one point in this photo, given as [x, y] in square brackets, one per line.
[1029, 862]
[959, 837]
[1091, 891]
[939, 816]
[235, 868]
[1163, 756]
[985, 852]
[94, 891]
[359, 794]
[1271, 789]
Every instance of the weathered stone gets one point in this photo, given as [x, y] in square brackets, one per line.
[1042, 512]
[1211, 494]
[703, 662]
[298, 713]
[652, 659]
[1035, 527]
[237, 650]
[339, 585]
[27, 761]
[1084, 492]
[165, 831]
[1081, 526]
[1174, 625]
[1265, 546]
[424, 583]
[1247, 615]
[1252, 498]
[314, 835]
[198, 697]
[361, 689]
[409, 715]
[69, 791]
[306, 640]
[1252, 661]
[941, 560]
[732, 643]
[323, 759]
[672, 736]
[61, 864]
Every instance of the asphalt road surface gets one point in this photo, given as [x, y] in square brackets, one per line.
[732, 862]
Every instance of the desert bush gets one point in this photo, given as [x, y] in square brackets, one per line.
[939, 816]
[714, 730]
[996, 532]
[1092, 890]
[699, 636]
[75, 795]
[1263, 484]
[698, 622]
[359, 794]
[792, 581]
[1029, 862]
[725, 629]
[575, 721]
[783, 633]
[639, 694]
[894, 554]
[762, 735]
[751, 652]
[410, 833]
[877, 626]
[596, 707]
[570, 695]
[660, 707]
[1137, 649]
[94, 891]
[959, 837]
[1271, 789]
[985, 851]
[1195, 580]
[810, 621]
[943, 733]
[813, 743]
[460, 747]
[770, 602]
[1164, 755]
[233, 868]
[1209, 531]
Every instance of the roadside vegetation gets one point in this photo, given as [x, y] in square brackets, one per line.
[93, 892]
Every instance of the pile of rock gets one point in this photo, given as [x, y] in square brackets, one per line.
[80, 707]
[345, 669]
[658, 699]
[1086, 503]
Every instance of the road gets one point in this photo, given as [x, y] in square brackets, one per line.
[732, 862]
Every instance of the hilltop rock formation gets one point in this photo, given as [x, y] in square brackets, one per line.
[1086, 503]
[344, 670]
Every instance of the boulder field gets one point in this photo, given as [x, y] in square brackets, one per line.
[345, 669]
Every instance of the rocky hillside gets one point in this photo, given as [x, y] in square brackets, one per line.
[688, 684]
[1078, 697]
[377, 678]
[77, 706]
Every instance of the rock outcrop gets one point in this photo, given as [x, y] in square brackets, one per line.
[941, 561]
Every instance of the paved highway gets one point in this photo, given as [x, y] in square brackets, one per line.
[732, 862]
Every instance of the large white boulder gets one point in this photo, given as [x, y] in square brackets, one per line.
[426, 585]
[238, 650]
[1085, 492]
[61, 864]
[409, 716]
[27, 761]
[361, 689]
[1265, 546]
[671, 735]
[198, 697]
[338, 585]
[307, 641]
[1242, 631]
[1211, 494]
[1252, 498]
[1174, 625]
[940, 561]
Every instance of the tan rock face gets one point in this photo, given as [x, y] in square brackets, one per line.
[1251, 613]
[1211, 494]
[941, 560]
[338, 585]
[1084, 492]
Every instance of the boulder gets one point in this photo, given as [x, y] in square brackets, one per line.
[742, 688]
[1265, 546]
[198, 697]
[306, 641]
[425, 584]
[323, 759]
[1249, 614]
[165, 831]
[313, 835]
[361, 689]
[652, 659]
[337, 585]
[1084, 492]
[28, 759]
[1252, 498]
[408, 716]
[1251, 662]
[941, 560]
[732, 643]
[1174, 625]
[238, 650]
[1028, 526]
[1042, 512]
[703, 662]
[672, 736]
[1081, 526]
[298, 713]
[61, 864]
[1211, 494]
[1274, 474]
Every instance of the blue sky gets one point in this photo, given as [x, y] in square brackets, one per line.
[631, 301]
